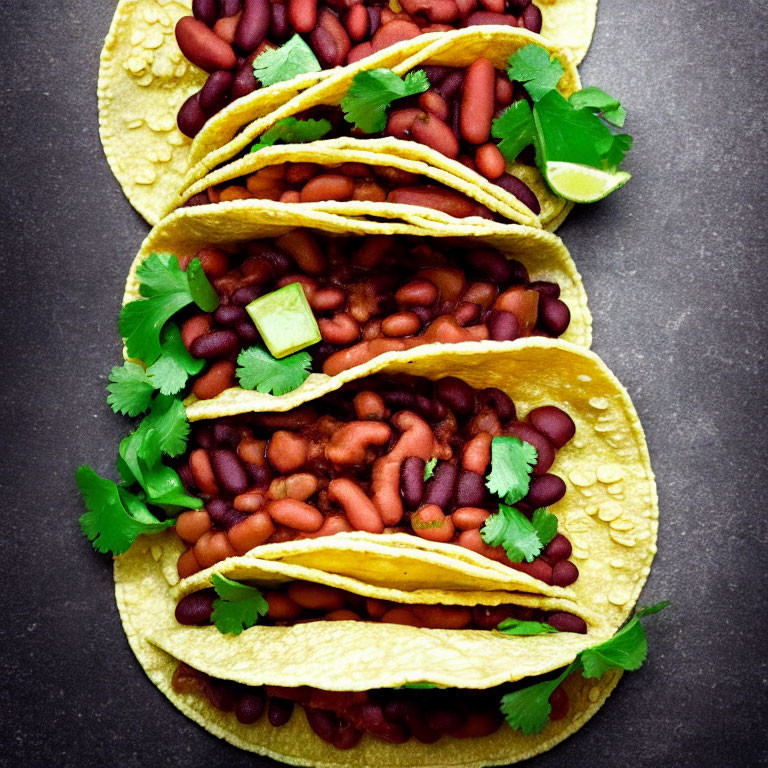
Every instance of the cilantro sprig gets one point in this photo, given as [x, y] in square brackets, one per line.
[512, 626]
[238, 607]
[512, 530]
[512, 461]
[366, 102]
[260, 371]
[429, 468]
[528, 709]
[292, 130]
[284, 63]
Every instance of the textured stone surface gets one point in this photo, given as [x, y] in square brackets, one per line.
[675, 265]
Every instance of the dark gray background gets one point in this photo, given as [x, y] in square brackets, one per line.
[675, 266]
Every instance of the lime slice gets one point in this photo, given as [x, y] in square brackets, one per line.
[582, 183]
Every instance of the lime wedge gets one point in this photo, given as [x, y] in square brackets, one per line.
[582, 183]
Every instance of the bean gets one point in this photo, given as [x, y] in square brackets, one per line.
[369, 191]
[369, 405]
[374, 19]
[489, 264]
[251, 501]
[554, 316]
[394, 32]
[401, 121]
[213, 95]
[220, 377]
[523, 304]
[477, 101]
[325, 48]
[468, 518]
[350, 444]
[332, 525]
[196, 326]
[328, 186]
[304, 249]
[362, 50]
[394, 176]
[229, 472]
[545, 490]
[200, 466]
[191, 525]
[538, 569]
[544, 448]
[520, 190]
[476, 455]
[309, 284]
[471, 539]
[316, 597]
[278, 22]
[401, 615]
[470, 489]
[478, 724]
[234, 192]
[482, 294]
[202, 46]
[486, 17]
[558, 701]
[495, 6]
[443, 616]
[187, 564]
[564, 573]
[341, 42]
[215, 344]
[531, 19]
[503, 326]
[195, 609]
[456, 394]
[401, 324]
[280, 710]
[302, 15]
[417, 293]
[250, 706]
[359, 509]
[490, 162]
[440, 487]
[518, 6]
[505, 91]
[445, 720]
[201, 198]
[558, 549]
[230, 314]
[230, 7]
[251, 532]
[546, 289]
[226, 27]
[226, 435]
[281, 607]
[554, 423]
[451, 84]
[429, 130]
[223, 513]
[253, 26]
[412, 481]
[431, 101]
[567, 622]
[437, 11]
[191, 118]
[467, 313]
[205, 11]
[212, 548]
[287, 452]
[295, 514]
[341, 329]
[437, 198]
[322, 722]
[356, 22]
[500, 401]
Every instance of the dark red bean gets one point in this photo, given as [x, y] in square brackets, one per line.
[278, 24]
[202, 46]
[225, 435]
[554, 316]
[564, 573]
[531, 19]
[195, 609]
[456, 394]
[518, 6]
[400, 400]
[503, 326]
[554, 423]
[261, 476]
[436, 74]
[347, 736]
[545, 289]
[444, 720]
[559, 548]
[538, 569]
[500, 401]
[245, 295]
[230, 314]
[520, 190]
[375, 723]
[250, 706]
[440, 488]
[322, 722]
[187, 478]
[230, 7]
[451, 84]
[325, 48]
[191, 118]
[215, 344]
[229, 471]
[488, 17]
[544, 449]
[545, 490]
[221, 512]
[213, 95]
[253, 25]
[201, 198]
[206, 11]
[247, 332]
[491, 265]
[470, 490]
[519, 273]
[558, 700]
[374, 19]
[220, 695]
[204, 436]
[279, 712]
[567, 622]
[245, 81]
[412, 481]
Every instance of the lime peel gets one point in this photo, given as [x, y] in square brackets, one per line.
[582, 183]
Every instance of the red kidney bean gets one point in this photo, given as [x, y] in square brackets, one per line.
[374, 19]
[230, 7]
[554, 316]
[400, 122]
[253, 26]
[322, 722]
[554, 423]
[330, 22]
[477, 101]
[436, 74]
[325, 48]
[187, 564]
[503, 326]
[191, 525]
[467, 313]
[195, 609]
[531, 19]
[201, 198]
[360, 51]
[431, 101]
[251, 532]
[490, 162]
[250, 706]
[359, 509]
[567, 622]
[538, 569]
[191, 118]
[245, 295]
[505, 90]
[302, 15]
[545, 289]
[206, 11]
[520, 190]
[470, 490]
[225, 435]
[401, 324]
[230, 314]
[215, 381]
[278, 24]
[545, 490]
[429, 130]
[247, 333]
[356, 22]
[490, 264]
[417, 293]
[229, 471]
[469, 518]
[279, 712]
[451, 84]
[328, 186]
[412, 481]
[215, 344]
[558, 549]
[295, 514]
[486, 17]
[456, 394]
[394, 32]
[518, 6]
[558, 700]
[202, 46]
[544, 448]
[440, 488]
[564, 573]
[436, 11]
[196, 326]
[500, 401]
[444, 720]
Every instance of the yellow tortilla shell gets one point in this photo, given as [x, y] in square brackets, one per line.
[219, 142]
[343, 656]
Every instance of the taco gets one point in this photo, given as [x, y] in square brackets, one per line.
[142, 66]
[328, 294]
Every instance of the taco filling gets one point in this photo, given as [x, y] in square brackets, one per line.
[386, 454]
[237, 42]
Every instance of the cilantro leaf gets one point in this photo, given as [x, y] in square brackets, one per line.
[169, 373]
[419, 686]
[260, 371]
[515, 128]
[545, 525]
[290, 130]
[166, 291]
[115, 517]
[598, 100]
[372, 91]
[620, 144]
[512, 626]
[168, 417]
[536, 69]
[286, 62]
[512, 461]
[651, 609]
[238, 607]
[511, 529]
[429, 468]
[200, 288]
[130, 389]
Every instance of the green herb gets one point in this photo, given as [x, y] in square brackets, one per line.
[528, 709]
[515, 128]
[238, 607]
[115, 517]
[599, 101]
[512, 462]
[260, 371]
[511, 529]
[512, 626]
[371, 92]
[419, 686]
[130, 389]
[203, 293]
[545, 525]
[536, 69]
[429, 468]
[169, 373]
[291, 130]
[284, 63]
